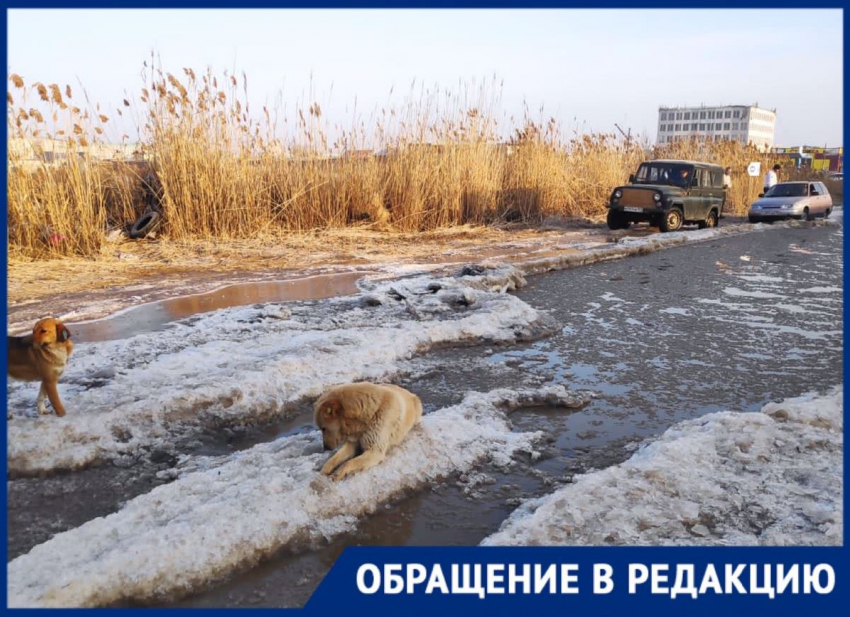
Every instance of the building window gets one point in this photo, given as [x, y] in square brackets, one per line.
[726, 125]
[687, 115]
[702, 115]
[702, 127]
[711, 115]
[736, 113]
[663, 116]
[679, 116]
[678, 127]
[728, 114]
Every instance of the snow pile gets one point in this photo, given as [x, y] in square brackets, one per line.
[246, 506]
[767, 478]
[251, 364]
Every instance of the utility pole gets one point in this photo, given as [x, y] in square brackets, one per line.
[628, 137]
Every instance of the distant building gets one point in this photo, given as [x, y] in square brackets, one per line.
[35, 153]
[747, 124]
[813, 157]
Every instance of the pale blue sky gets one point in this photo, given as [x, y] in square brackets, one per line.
[590, 68]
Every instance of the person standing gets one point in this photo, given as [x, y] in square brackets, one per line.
[771, 178]
[727, 178]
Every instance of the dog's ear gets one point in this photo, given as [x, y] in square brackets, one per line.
[62, 332]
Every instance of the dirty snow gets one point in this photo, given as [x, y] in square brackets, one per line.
[822, 290]
[248, 364]
[767, 478]
[230, 512]
[741, 293]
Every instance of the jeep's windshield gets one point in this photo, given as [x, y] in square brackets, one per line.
[674, 174]
[788, 190]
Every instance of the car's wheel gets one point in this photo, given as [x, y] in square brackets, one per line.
[710, 221]
[827, 213]
[672, 220]
[806, 215]
[754, 219]
[616, 220]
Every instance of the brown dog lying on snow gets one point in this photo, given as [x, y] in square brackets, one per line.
[41, 356]
[367, 417]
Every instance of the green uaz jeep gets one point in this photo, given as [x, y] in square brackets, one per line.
[669, 194]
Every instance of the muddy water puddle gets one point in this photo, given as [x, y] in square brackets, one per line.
[155, 315]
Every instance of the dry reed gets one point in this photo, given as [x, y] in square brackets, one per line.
[223, 171]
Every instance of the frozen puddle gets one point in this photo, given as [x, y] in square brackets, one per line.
[247, 365]
[244, 507]
[767, 478]
[154, 315]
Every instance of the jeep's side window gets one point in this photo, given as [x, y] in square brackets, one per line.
[697, 173]
[716, 179]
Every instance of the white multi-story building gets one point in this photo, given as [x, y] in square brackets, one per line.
[744, 123]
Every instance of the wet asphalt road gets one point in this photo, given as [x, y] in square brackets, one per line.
[728, 324]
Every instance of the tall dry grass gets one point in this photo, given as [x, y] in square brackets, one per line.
[224, 170]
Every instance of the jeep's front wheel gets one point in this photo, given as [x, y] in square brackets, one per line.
[710, 221]
[616, 220]
[672, 220]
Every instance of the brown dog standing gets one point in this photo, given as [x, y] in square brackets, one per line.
[42, 356]
[367, 417]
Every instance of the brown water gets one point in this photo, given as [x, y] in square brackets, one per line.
[154, 315]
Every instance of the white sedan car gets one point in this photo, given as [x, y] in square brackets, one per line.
[798, 200]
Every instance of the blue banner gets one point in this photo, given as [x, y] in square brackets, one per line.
[584, 580]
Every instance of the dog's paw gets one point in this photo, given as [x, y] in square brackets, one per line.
[328, 468]
[320, 485]
[339, 474]
[43, 410]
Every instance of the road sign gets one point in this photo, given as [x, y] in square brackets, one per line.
[754, 169]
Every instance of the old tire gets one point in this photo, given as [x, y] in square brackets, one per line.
[710, 221]
[145, 225]
[672, 220]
